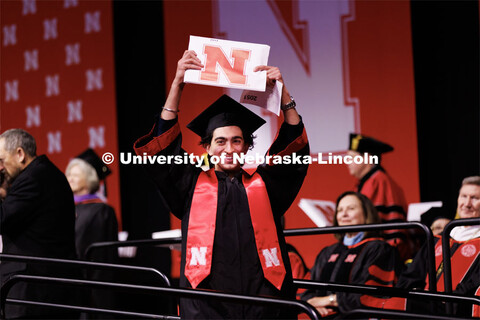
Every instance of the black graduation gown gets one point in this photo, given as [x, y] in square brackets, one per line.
[357, 264]
[96, 222]
[235, 267]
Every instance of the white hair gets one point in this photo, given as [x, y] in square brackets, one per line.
[91, 176]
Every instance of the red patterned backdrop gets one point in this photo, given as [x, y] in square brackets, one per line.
[57, 78]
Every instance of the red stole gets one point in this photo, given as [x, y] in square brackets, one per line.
[476, 307]
[461, 259]
[201, 229]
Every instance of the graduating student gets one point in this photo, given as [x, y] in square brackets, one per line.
[386, 195]
[232, 233]
[357, 258]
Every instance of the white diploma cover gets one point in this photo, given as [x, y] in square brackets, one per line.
[228, 64]
[269, 100]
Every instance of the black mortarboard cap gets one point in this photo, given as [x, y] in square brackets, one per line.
[432, 214]
[363, 144]
[94, 160]
[225, 111]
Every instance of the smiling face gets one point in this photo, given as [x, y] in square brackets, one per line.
[77, 180]
[226, 141]
[468, 202]
[350, 211]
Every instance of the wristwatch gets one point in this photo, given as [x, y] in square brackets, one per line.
[332, 298]
[289, 105]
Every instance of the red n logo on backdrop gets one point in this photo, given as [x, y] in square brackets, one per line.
[233, 71]
[58, 80]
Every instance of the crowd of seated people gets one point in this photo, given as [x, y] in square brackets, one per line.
[464, 256]
[368, 266]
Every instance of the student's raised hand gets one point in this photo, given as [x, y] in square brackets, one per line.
[188, 61]
[273, 74]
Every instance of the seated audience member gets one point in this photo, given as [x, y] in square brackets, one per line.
[357, 258]
[37, 217]
[436, 218]
[386, 195]
[465, 258]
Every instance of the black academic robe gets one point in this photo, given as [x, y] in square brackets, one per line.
[236, 267]
[465, 263]
[372, 261]
[37, 219]
[96, 222]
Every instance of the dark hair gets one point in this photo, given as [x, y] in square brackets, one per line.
[19, 138]
[247, 138]
[369, 212]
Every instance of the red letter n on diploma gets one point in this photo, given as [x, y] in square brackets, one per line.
[235, 74]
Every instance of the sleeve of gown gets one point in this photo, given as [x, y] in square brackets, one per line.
[175, 180]
[315, 274]
[110, 230]
[100, 226]
[283, 181]
[379, 266]
[415, 274]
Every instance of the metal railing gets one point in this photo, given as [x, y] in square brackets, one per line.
[85, 265]
[385, 291]
[363, 289]
[299, 232]
[394, 314]
[89, 309]
[380, 226]
[165, 291]
[447, 263]
[131, 243]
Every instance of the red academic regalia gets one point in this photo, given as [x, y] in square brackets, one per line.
[389, 200]
[235, 263]
[465, 263]
[372, 261]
